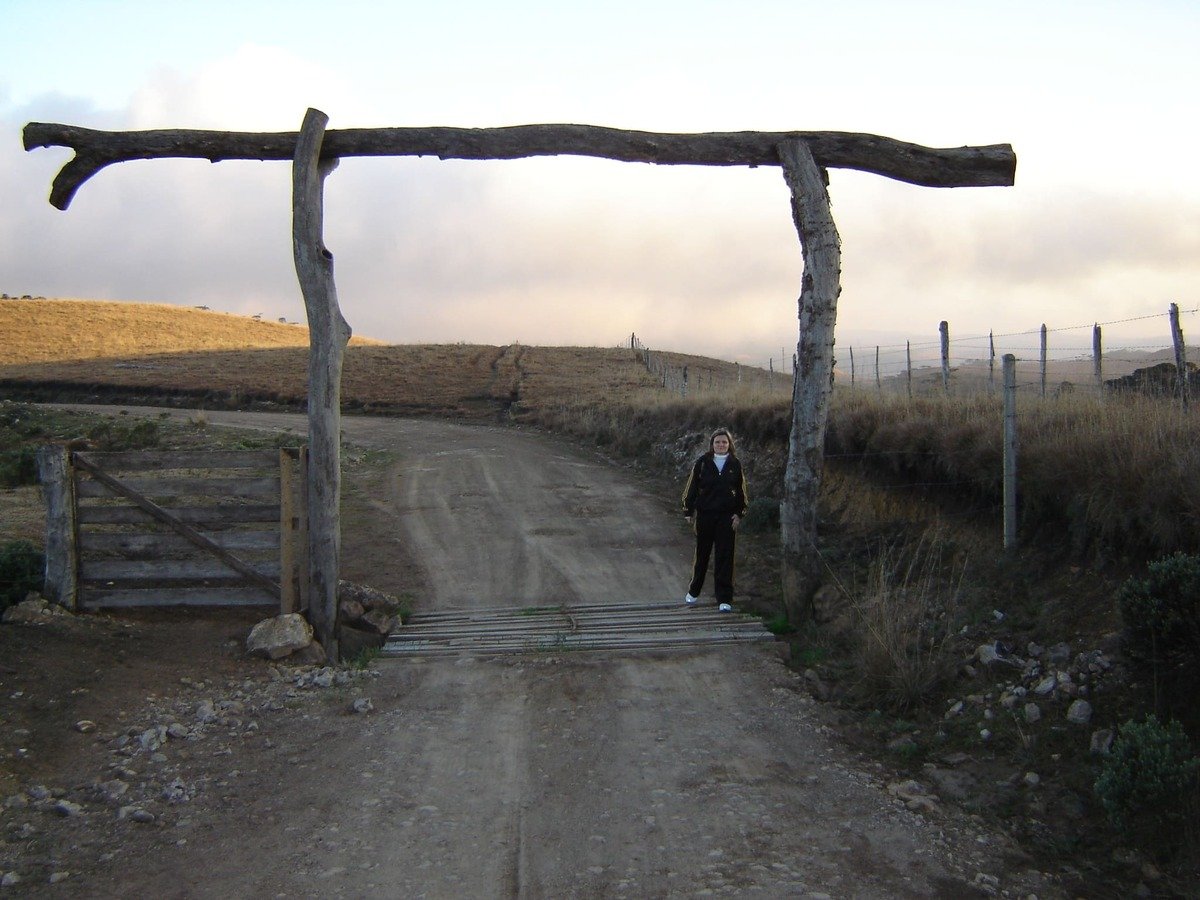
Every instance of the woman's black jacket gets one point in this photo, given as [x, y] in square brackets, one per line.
[710, 491]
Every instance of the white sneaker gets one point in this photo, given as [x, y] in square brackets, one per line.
[724, 607]
[690, 600]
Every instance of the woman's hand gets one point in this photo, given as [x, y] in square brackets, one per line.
[737, 520]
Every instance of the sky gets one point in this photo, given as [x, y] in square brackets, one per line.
[1098, 99]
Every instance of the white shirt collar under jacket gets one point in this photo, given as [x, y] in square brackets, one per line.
[719, 459]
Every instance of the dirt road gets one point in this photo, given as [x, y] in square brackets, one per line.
[691, 773]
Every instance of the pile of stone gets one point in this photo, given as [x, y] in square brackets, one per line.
[365, 618]
[33, 610]
[1039, 681]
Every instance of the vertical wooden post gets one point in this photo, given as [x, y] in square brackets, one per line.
[991, 363]
[1043, 359]
[1181, 369]
[62, 538]
[878, 379]
[851, 367]
[738, 368]
[1010, 451]
[812, 380]
[908, 365]
[683, 385]
[292, 571]
[1097, 357]
[328, 335]
[944, 333]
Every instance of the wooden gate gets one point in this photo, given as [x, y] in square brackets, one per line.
[175, 528]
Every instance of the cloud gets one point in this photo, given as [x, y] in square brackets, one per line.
[562, 250]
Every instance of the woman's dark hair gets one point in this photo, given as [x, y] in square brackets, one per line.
[716, 434]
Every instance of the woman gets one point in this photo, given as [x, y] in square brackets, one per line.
[714, 502]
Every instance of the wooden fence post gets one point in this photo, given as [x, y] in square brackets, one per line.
[292, 533]
[908, 366]
[944, 332]
[991, 363]
[62, 556]
[1043, 359]
[878, 379]
[1097, 364]
[852, 367]
[1010, 451]
[1181, 369]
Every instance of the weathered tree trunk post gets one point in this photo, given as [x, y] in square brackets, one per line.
[878, 377]
[812, 379]
[851, 368]
[328, 336]
[1097, 359]
[62, 557]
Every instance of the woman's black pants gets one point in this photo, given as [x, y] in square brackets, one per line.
[714, 538]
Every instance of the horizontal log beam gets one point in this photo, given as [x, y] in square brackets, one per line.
[987, 166]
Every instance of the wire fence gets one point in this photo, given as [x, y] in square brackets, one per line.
[1050, 360]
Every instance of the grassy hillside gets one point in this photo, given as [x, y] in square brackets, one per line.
[131, 350]
[45, 331]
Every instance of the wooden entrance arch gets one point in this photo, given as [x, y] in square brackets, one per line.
[804, 157]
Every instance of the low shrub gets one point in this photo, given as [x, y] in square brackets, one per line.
[1161, 613]
[761, 515]
[21, 568]
[1148, 785]
[18, 467]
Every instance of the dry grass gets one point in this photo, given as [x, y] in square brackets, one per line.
[53, 331]
[904, 621]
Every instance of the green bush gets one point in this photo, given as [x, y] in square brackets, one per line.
[761, 515]
[1148, 784]
[18, 467]
[21, 567]
[1161, 613]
